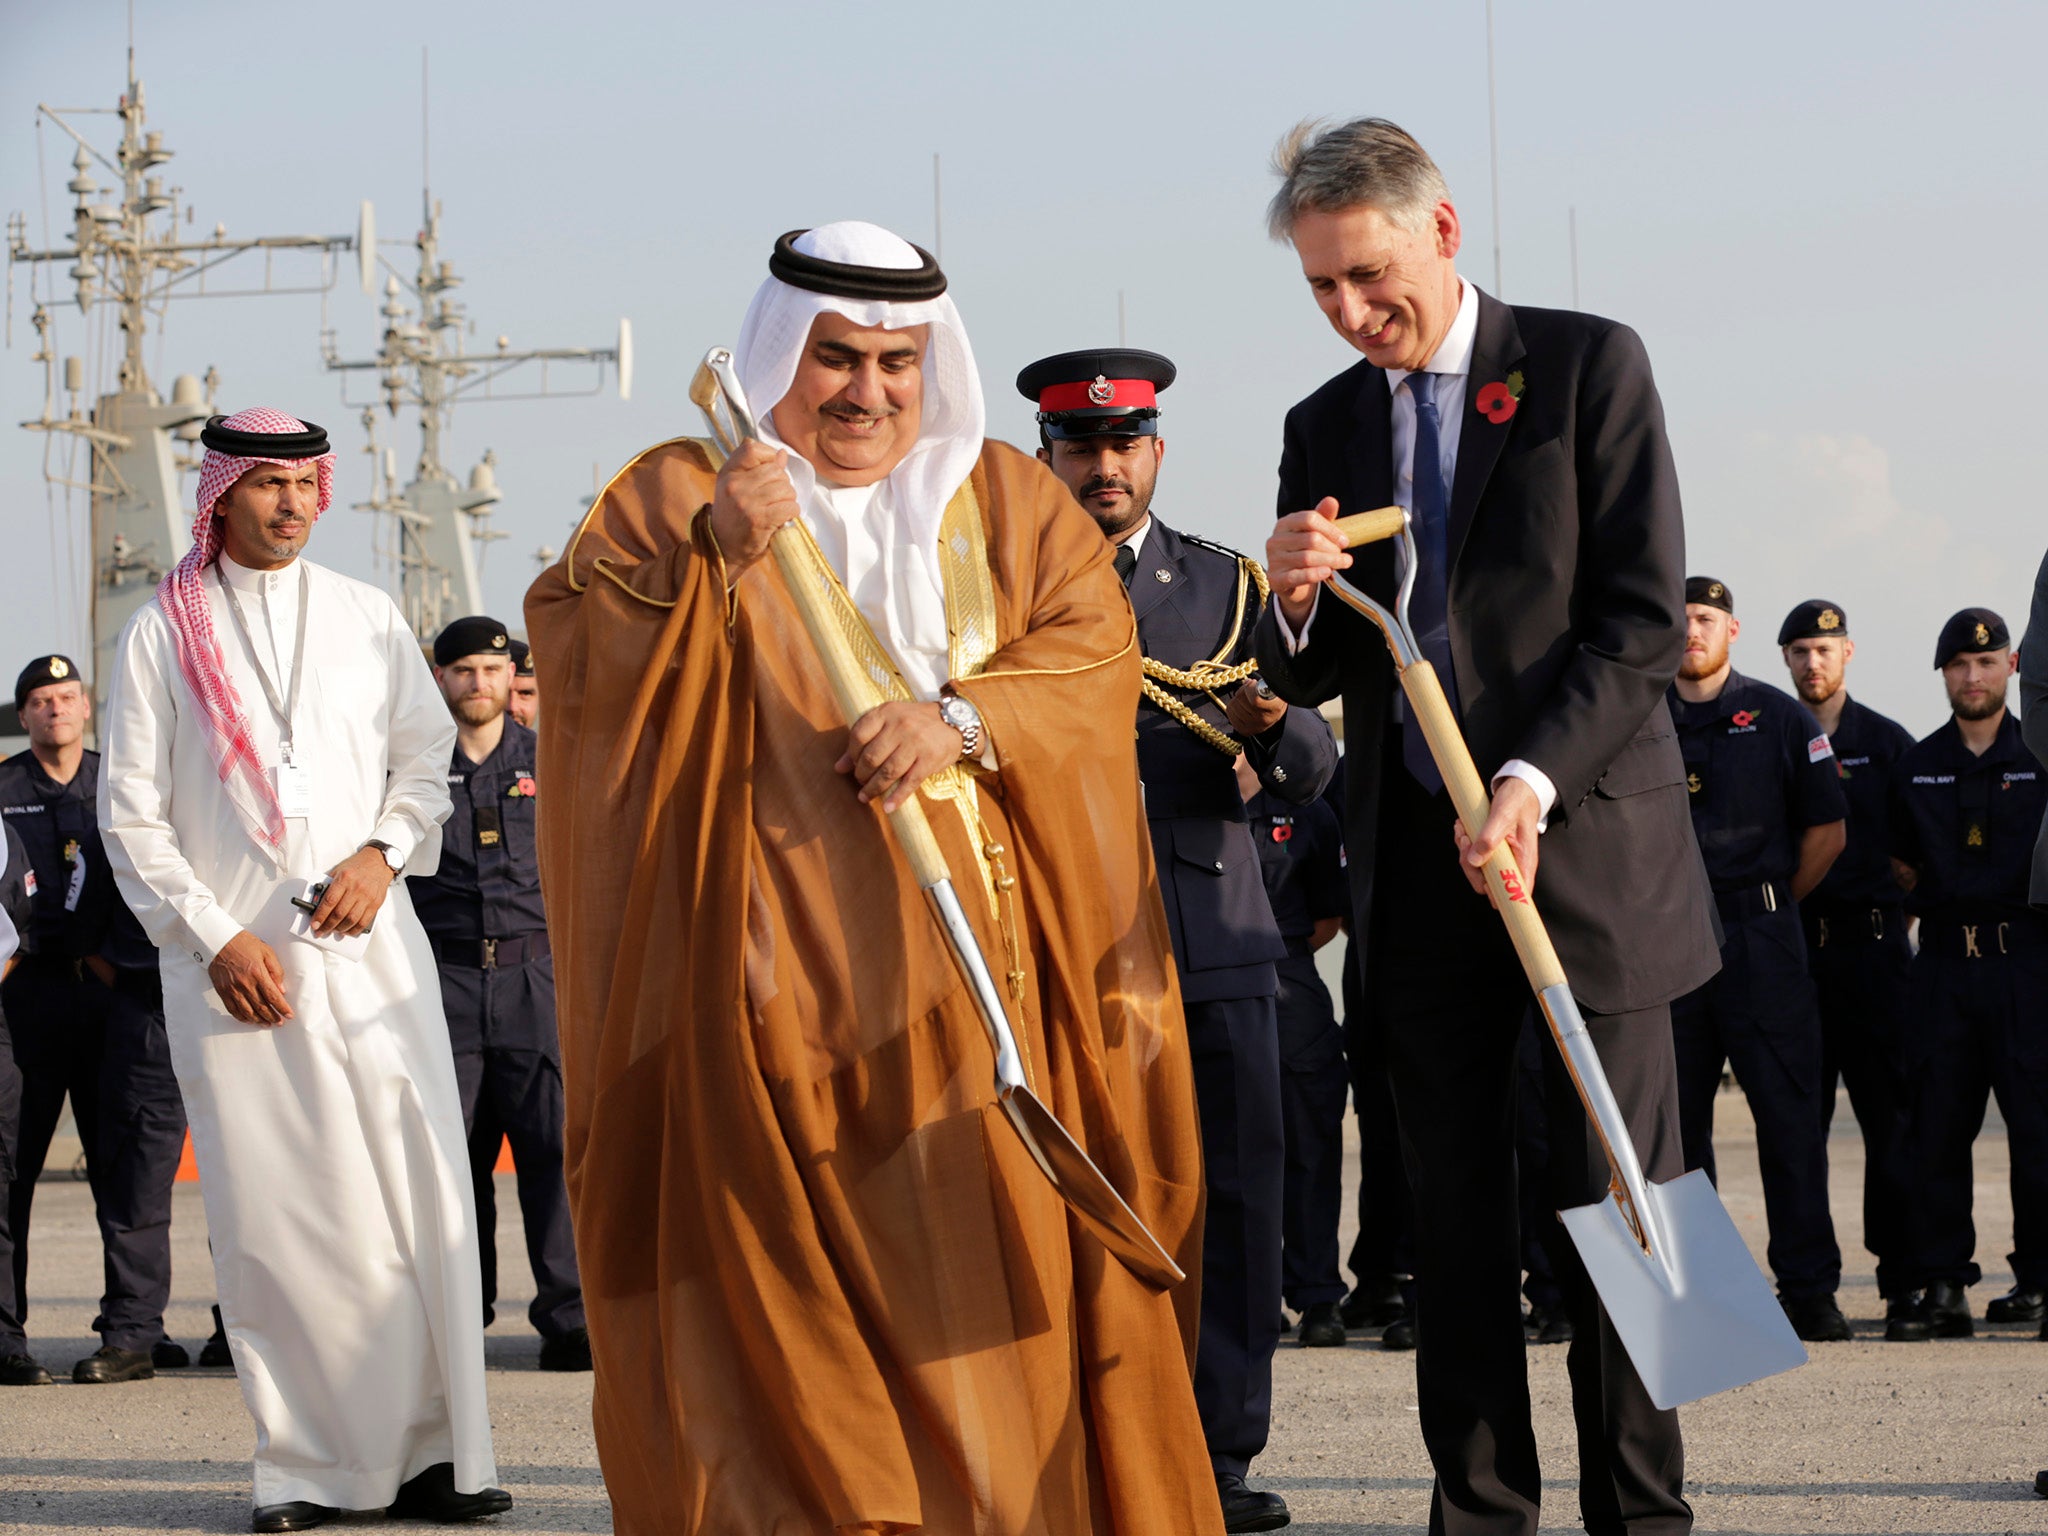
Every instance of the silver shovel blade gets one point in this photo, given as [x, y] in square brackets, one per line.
[1703, 1319]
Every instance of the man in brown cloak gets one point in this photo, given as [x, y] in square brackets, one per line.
[827, 1287]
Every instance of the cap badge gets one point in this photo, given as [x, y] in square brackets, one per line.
[1983, 635]
[1715, 589]
[498, 642]
[1829, 619]
[59, 668]
[1101, 391]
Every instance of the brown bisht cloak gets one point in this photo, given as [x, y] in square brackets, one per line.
[827, 1288]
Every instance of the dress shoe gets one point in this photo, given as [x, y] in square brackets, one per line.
[1905, 1320]
[432, 1496]
[1245, 1509]
[1816, 1319]
[2041, 1484]
[1549, 1325]
[1400, 1333]
[1321, 1328]
[295, 1516]
[1948, 1311]
[168, 1355]
[567, 1352]
[22, 1371]
[215, 1353]
[1372, 1306]
[108, 1364]
[2017, 1305]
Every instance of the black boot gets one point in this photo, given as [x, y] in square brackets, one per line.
[108, 1364]
[1372, 1306]
[1905, 1320]
[22, 1370]
[567, 1352]
[1948, 1311]
[1816, 1319]
[1245, 1509]
[2018, 1305]
[168, 1355]
[1321, 1327]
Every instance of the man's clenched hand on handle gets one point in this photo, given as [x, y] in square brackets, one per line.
[753, 498]
[1304, 551]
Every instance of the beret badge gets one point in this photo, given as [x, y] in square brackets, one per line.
[58, 667]
[1828, 619]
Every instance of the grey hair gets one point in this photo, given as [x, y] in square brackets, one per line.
[1368, 161]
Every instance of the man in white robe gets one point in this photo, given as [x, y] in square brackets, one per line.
[271, 724]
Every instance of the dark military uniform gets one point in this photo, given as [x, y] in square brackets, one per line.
[104, 1045]
[1301, 849]
[1760, 773]
[483, 915]
[14, 902]
[1979, 993]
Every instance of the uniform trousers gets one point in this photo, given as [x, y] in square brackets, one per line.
[1980, 1028]
[1450, 996]
[1313, 1085]
[508, 1069]
[1861, 962]
[141, 1138]
[13, 1338]
[1236, 1049]
[1759, 1016]
[1385, 1246]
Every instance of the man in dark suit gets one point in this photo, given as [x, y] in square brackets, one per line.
[1196, 603]
[1529, 444]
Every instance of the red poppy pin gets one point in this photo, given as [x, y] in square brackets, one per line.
[1498, 402]
[525, 786]
[1744, 717]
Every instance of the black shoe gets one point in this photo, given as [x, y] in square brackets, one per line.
[432, 1496]
[108, 1364]
[1399, 1334]
[1550, 1326]
[1321, 1328]
[569, 1352]
[1816, 1319]
[2017, 1306]
[168, 1355]
[295, 1516]
[215, 1353]
[1905, 1320]
[1247, 1510]
[2041, 1484]
[1948, 1311]
[1372, 1306]
[22, 1371]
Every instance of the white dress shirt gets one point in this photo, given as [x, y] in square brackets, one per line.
[1452, 365]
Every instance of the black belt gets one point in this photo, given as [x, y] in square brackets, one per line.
[492, 954]
[1747, 901]
[1985, 940]
[1853, 927]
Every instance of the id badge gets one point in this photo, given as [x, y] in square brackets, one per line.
[294, 790]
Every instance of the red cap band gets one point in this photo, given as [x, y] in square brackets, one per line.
[1099, 394]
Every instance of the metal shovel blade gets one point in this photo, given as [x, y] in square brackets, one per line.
[1700, 1318]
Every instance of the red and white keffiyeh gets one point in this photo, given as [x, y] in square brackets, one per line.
[182, 596]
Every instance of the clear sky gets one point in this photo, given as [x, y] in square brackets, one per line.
[1822, 218]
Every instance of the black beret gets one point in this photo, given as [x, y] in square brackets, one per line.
[1974, 629]
[522, 659]
[41, 672]
[473, 636]
[1714, 594]
[1100, 392]
[1814, 619]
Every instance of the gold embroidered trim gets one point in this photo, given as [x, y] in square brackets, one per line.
[1208, 676]
[569, 559]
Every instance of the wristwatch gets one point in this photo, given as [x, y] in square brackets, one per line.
[965, 719]
[393, 859]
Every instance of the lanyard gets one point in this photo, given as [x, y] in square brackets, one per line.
[286, 709]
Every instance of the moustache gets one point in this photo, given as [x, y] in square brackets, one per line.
[1093, 486]
[855, 416]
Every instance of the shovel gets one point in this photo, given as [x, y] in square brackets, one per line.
[1086, 1190]
[1693, 1310]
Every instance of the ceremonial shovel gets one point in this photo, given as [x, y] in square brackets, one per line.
[1692, 1308]
[1060, 1158]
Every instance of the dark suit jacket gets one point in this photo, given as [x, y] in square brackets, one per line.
[1224, 937]
[1567, 621]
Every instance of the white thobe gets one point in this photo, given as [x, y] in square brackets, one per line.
[330, 1148]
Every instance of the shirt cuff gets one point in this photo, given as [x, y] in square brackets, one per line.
[1296, 642]
[401, 834]
[211, 930]
[1536, 779]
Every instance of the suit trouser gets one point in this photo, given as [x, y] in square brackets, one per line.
[501, 1025]
[1313, 1085]
[1759, 1016]
[141, 1138]
[1235, 1043]
[1860, 964]
[13, 1339]
[59, 1026]
[1532, 1164]
[1980, 1028]
[1452, 998]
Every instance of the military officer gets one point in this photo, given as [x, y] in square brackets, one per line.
[18, 1368]
[483, 915]
[1301, 858]
[525, 706]
[1768, 812]
[86, 1011]
[1856, 945]
[1196, 604]
[1967, 803]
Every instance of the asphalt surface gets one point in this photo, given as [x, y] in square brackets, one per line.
[1869, 1437]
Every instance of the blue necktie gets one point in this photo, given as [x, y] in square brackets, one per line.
[1429, 607]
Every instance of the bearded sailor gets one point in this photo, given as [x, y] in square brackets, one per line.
[257, 827]
[828, 1289]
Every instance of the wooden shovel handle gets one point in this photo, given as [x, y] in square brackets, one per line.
[1432, 711]
[1370, 527]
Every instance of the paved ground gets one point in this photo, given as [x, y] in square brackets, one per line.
[1869, 1437]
